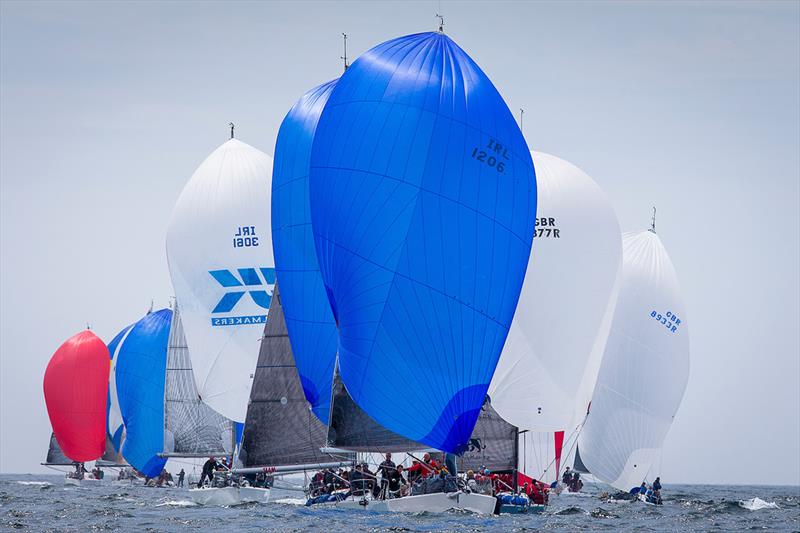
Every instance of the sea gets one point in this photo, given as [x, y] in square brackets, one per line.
[44, 503]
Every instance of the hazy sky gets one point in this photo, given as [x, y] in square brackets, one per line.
[106, 109]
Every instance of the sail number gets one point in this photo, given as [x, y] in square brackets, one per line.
[245, 236]
[493, 155]
[670, 320]
[546, 227]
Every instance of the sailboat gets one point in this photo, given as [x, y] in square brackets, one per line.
[423, 211]
[546, 374]
[75, 392]
[644, 370]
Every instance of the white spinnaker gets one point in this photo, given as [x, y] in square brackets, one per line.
[115, 421]
[219, 248]
[546, 373]
[644, 371]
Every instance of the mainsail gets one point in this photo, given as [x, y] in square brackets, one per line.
[644, 370]
[76, 394]
[423, 201]
[219, 248]
[350, 428]
[493, 443]
[140, 368]
[280, 428]
[190, 426]
[309, 320]
[55, 456]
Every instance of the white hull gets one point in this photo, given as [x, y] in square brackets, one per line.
[87, 481]
[215, 496]
[433, 503]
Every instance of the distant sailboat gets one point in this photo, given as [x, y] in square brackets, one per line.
[219, 248]
[644, 370]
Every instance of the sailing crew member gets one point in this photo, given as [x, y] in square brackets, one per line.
[424, 469]
[181, 475]
[398, 486]
[566, 479]
[387, 469]
[657, 484]
[208, 471]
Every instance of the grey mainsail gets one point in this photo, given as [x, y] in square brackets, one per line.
[191, 428]
[111, 457]
[493, 443]
[353, 429]
[280, 428]
[578, 465]
[54, 454]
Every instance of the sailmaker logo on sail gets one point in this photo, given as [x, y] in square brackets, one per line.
[247, 277]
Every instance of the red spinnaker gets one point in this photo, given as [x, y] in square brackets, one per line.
[76, 392]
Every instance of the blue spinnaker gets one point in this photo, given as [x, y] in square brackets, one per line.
[309, 320]
[141, 366]
[423, 201]
[114, 425]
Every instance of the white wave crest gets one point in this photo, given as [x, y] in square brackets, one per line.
[177, 503]
[755, 504]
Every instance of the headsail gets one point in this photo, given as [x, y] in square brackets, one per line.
[190, 426]
[219, 248]
[644, 370]
[309, 319]
[280, 427]
[423, 200]
[76, 394]
[141, 363]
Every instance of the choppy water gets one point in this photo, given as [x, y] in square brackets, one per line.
[44, 503]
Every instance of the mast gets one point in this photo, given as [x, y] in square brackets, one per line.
[344, 57]
[653, 225]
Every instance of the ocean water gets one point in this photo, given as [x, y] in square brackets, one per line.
[44, 503]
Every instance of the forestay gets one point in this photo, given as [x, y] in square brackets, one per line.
[141, 363]
[219, 248]
[280, 427]
[644, 370]
[190, 426]
[423, 200]
[309, 320]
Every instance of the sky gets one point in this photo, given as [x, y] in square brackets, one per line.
[106, 109]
